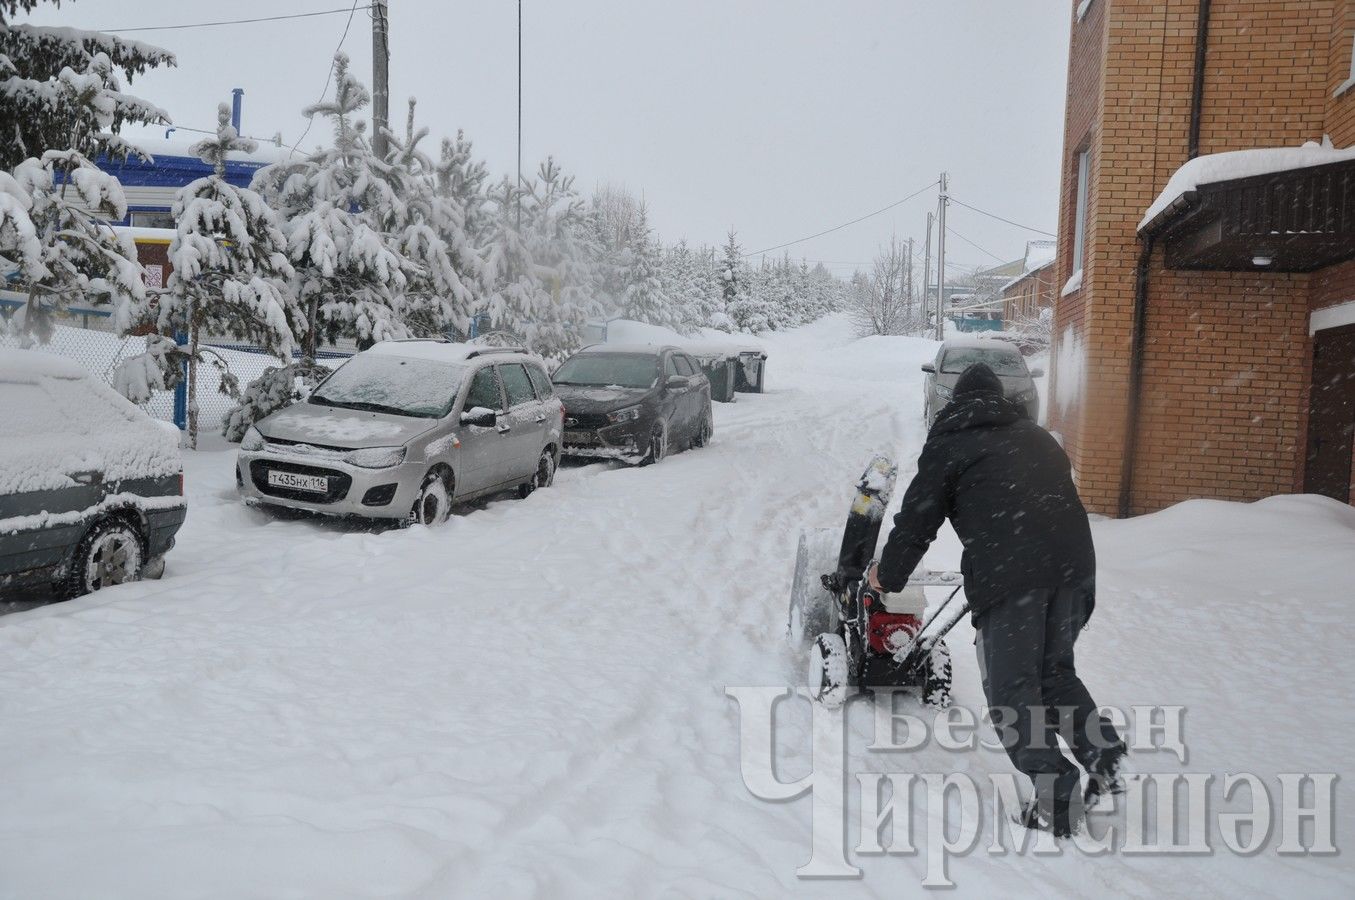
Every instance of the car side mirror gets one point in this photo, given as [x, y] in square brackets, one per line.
[1036, 372]
[929, 368]
[480, 417]
[677, 382]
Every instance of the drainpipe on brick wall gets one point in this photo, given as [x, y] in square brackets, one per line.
[1137, 341]
[1197, 88]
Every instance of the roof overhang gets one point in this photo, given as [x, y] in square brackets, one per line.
[1297, 220]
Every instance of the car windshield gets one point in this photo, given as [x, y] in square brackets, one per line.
[631, 370]
[422, 388]
[1001, 360]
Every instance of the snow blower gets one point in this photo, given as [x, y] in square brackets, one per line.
[856, 637]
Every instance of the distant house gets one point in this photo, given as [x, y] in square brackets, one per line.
[1034, 289]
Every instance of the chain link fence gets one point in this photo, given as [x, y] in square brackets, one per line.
[86, 337]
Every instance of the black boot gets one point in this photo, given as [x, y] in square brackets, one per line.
[1104, 775]
[1057, 805]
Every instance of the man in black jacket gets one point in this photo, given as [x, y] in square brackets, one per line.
[1030, 577]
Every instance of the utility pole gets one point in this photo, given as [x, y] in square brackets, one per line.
[927, 275]
[908, 278]
[943, 202]
[519, 190]
[381, 94]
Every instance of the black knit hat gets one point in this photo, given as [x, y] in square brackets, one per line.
[978, 379]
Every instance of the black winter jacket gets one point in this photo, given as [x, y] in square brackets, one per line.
[1006, 486]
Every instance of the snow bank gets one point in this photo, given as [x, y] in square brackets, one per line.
[707, 342]
[1241, 164]
[58, 422]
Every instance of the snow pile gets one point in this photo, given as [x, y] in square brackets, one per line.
[707, 342]
[1241, 164]
[1070, 370]
[59, 422]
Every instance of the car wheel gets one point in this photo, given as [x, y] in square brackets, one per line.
[434, 502]
[543, 477]
[109, 554]
[658, 444]
[705, 431]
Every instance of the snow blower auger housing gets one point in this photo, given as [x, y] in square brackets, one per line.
[856, 637]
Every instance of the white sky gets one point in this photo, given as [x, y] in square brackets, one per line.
[779, 118]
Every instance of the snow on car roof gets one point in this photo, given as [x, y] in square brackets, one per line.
[26, 366]
[646, 349]
[435, 350]
[992, 343]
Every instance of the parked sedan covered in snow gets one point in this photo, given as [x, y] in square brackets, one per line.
[91, 488]
[633, 402]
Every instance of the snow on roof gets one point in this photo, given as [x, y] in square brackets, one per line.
[984, 339]
[708, 343]
[625, 347]
[175, 147]
[145, 234]
[1241, 164]
[1039, 255]
[27, 366]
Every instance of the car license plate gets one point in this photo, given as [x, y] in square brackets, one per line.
[317, 483]
[580, 438]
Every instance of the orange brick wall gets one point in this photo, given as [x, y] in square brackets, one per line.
[1226, 360]
[1034, 292]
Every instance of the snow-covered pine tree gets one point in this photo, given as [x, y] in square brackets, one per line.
[40, 66]
[73, 254]
[230, 268]
[463, 181]
[334, 206]
[429, 228]
[733, 275]
[541, 276]
[644, 299]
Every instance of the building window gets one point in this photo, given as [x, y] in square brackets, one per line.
[1349, 82]
[152, 218]
[1079, 220]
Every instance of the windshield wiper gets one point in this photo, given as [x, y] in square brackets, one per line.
[367, 407]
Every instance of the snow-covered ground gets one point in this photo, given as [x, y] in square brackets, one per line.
[530, 700]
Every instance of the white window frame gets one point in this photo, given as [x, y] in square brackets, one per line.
[1080, 211]
[1349, 82]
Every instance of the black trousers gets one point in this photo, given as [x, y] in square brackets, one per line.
[1025, 648]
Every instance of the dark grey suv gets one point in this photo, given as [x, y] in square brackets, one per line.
[91, 488]
[633, 403]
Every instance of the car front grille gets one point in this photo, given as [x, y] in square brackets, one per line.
[582, 421]
[339, 482]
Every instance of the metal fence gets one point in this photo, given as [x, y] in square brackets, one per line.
[86, 337]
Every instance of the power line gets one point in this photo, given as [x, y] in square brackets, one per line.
[984, 212]
[305, 15]
[329, 75]
[974, 245]
[845, 224]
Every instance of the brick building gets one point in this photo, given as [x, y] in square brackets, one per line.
[1034, 289]
[1187, 343]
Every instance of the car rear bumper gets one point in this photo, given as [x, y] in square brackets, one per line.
[351, 491]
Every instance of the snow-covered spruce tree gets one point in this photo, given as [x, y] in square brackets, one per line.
[38, 65]
[644, 298]
[540, 275]
[69, 202]
[732, 274]
[230, 269]
[463, 181]
[334, 206]
[429, 228]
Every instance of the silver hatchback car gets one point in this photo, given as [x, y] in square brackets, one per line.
[406, 429]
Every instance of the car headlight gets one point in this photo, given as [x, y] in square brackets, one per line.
[629, 414]
[1024, 396]
[375, 457]
[253, 441]
[943, 391]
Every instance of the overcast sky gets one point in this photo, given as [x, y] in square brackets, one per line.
[778, 118]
